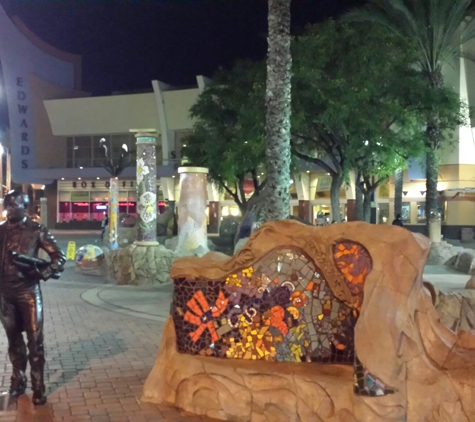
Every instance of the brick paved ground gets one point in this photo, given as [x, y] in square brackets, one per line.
[97, 362]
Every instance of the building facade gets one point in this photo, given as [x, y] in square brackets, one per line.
[56, 129]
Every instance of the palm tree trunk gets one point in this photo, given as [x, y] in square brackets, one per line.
[337, 181]
[432, 175]
[434, 140]
[279, 62]
[398, 186]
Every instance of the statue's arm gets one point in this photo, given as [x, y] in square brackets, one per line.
[49, 244]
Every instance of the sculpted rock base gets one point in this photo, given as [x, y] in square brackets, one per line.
[398, 338]
[140, 265]
[239, 390]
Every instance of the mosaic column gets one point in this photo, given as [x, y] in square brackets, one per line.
[192, 232]
[146, 189]
[113, 213]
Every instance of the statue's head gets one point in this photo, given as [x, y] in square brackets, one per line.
[16, 204]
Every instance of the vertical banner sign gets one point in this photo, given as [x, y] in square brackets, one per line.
[113, 213]
[27, 63]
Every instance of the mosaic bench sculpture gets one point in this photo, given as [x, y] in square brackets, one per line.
[313, 324]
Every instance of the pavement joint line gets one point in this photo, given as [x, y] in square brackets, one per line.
[91, 296]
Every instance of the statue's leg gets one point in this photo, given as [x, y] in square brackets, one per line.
[31, 304]
[12, 322]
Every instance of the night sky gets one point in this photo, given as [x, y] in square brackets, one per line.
[125, 44]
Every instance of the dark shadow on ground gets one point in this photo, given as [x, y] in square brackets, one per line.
[74, 358]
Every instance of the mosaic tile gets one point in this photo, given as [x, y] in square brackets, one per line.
[280, 309]
[365, 384]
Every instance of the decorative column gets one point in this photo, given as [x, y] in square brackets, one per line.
[113, 213]
[192, 233]
[146, 188]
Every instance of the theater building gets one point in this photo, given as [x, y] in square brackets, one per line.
[56, 128]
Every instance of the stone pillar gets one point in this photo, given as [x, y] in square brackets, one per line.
[113, 213]
[304, 211]
[44, 211]
[192, 233]
[435, 229]
[213, 216]
[146, 188]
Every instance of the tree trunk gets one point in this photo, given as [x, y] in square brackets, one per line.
[249, 217]
[359, 200]
[434, 141]
[279, 62]
[432, 175]
[398, 185]
[337, 181]
[367, 206]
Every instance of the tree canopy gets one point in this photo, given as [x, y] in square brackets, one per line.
[437, 31]
[359, 103]
[229, 133]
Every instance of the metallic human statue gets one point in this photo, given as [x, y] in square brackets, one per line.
[21, 304]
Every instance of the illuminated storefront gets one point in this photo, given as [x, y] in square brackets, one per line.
[80, 200]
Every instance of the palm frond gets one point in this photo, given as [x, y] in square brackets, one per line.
[437, 27]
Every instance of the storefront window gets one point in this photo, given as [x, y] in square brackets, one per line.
[64, 212]
[100, 196]
[443, 211]
[295, 211]
[82, 151]
[383, 214]
[230, 210]
[83, 202]
[321, 215]
[421, 212]
[406, 212]
[98, 210]
[80, 211]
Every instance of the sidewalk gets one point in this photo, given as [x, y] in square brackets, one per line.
[97, 361]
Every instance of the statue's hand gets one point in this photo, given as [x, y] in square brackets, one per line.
[50, 271]
[32, 272]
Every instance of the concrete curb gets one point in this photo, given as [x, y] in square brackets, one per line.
[92, 296]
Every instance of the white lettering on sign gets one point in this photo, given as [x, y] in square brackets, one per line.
[24, 126]
[92, 184]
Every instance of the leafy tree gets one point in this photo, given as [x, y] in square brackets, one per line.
[229, 133]
[278, 104]
[351, 87]
[438, 29]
